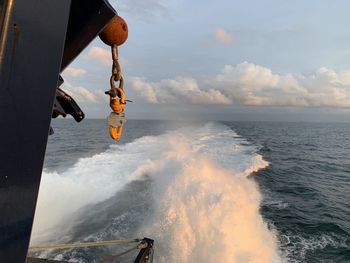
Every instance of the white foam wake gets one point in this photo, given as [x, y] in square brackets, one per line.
[206, 208]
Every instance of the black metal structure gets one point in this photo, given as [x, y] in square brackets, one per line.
[145, 253]
[64, 104]
[38, 39]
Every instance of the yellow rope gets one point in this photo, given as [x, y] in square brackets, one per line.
[88, 244]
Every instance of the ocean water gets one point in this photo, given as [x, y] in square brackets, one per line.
[206, 192]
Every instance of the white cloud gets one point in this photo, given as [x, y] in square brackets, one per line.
[223, 36]
[144, 90]
[102, 55]
[82, 94]
[75, 72]
[176, 91]
[250, 84]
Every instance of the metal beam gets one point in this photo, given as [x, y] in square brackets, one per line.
[32, 51]
[86, 20]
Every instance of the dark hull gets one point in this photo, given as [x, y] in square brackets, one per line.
[38, 40]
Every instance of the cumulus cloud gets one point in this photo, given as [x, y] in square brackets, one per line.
[75, 72]
[250, 84]
[82, 94]
[174, 91]
[102, 55]
[222, 36]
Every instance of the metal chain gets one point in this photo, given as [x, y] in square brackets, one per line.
[116, 69]
[117, 99]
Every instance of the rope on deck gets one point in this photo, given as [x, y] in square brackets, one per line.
[87, 244]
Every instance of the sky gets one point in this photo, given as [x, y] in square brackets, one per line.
[224, 60]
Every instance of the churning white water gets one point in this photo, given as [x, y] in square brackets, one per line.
[206, 209]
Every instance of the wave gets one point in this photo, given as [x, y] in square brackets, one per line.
[295, 247]
[205, 208]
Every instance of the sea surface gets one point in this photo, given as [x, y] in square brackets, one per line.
[204, 191]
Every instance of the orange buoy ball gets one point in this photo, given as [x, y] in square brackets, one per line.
[115, 33]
